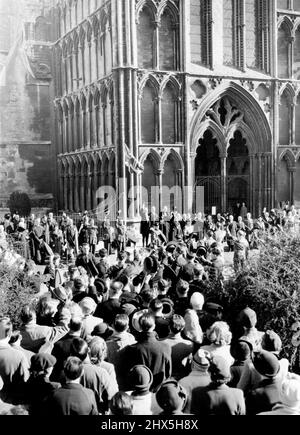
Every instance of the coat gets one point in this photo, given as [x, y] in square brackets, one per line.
[14, 371]
[35, 336]
[149, 352]
[264, 398]
[88, 262]
[71, 399]
[219, 400]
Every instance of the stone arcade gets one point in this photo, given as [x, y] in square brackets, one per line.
[175, 92]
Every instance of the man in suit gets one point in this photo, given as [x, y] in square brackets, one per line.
[218, 398]
[87, 260]
[267, 394]
[147, 351]
[14, 367]
[35, 336]
[72, 398]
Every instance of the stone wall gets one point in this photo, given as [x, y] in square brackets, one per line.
[26, 153]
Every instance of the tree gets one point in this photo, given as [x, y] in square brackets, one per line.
[19, 202]
[271, 287]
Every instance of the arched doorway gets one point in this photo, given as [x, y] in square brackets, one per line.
[208, 171]
[149, 182]
[238, 172]
[243, 136]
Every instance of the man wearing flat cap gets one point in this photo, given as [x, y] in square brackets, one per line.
[267, 395]
[39, 386]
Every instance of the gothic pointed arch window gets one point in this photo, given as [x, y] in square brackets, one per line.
[201, 32]
[257, 34]
[296, 60]
[246, 34]
[145, 39]
[285, 119]
[283, 50]
[168, 107]
[167, 41]
[148, 114]
[228, 33]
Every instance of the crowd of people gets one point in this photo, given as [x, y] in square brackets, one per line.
[136, 333]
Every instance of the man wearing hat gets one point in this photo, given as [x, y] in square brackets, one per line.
[289, 397]
[217, 398]
[247, 321]
[103, 331]
[39, 386]
[267, 395]
[197, 379]
[171, 397]
[140, 381]
[147, 351]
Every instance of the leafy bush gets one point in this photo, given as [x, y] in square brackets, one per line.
[271, 287]
[16, 291]
[20, 202]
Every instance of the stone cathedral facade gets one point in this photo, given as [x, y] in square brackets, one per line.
[176, 93]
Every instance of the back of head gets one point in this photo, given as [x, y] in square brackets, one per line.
[98, 350]
[147, 322]
[187, 272]
[27, 314]
[6, 328]
[73, 368]
[121, 323]
[220, 370]
[197, 301]
[247, 318]
[88, 306]
[271, 342]
[219, 334]
[266, 363]
[177, 324]
[79, 348]
[171, 397]
[156, 306]
[147, 295]
[140, 379]
[241, 350]
[75, 324]
[121, 404]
